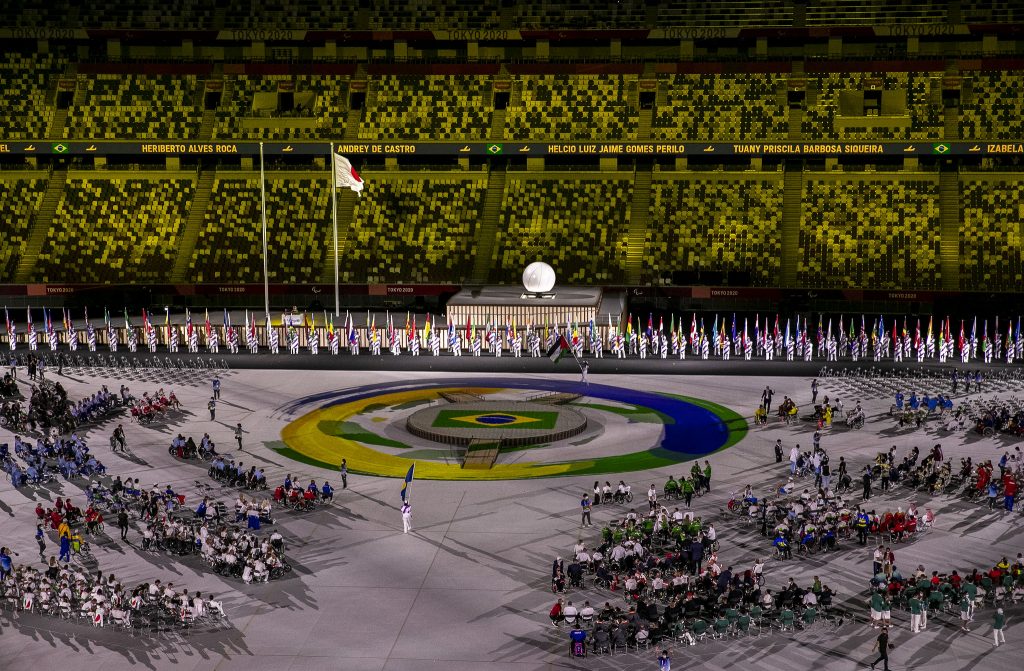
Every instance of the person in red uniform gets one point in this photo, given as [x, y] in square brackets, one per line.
[1009, 490]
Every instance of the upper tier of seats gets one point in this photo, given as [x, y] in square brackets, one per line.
[135, 106]
[27, 81]
[574, 107]
[463, 14]
[721, 107]
[252, 108]
[428, 108]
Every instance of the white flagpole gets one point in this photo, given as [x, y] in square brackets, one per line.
[266, 278]
[334, 219]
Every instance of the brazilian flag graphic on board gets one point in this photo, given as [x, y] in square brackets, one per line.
[520, 419]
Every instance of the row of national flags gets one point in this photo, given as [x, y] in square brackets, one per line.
[830, 337]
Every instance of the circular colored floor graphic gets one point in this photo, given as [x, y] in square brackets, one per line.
[692, 428]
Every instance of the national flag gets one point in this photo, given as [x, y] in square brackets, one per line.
[693, 327]
[917, 335]
[408, 481]
[629, 328]
[962, 340]
[345, 176]
[426, 329]
[974, 333]
[558, 349]
[51, 334]
[12, 335]
[208, 327]
[31, 329]
[786, 341]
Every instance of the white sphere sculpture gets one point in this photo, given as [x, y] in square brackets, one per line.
[539, 277]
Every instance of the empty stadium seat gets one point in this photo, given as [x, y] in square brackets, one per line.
[721, 107]
[419, 230]
[579, 226]
[995, 108]
[115, 230]
[714, 224]
[230, 244]
[874, 233]
[19, 199]
[922, 112]
[573, 107]
[244, 114]
[27, 79]
[119, 106]
[990, 234]
[428, 108]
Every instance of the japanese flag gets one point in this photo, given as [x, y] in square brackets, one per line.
[346, 175]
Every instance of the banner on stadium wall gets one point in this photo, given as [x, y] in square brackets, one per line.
[525, 149]
[553, 33]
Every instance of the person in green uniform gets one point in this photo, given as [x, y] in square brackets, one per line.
[876, 609]
[687, 488]
[916, 610]
[965, 612]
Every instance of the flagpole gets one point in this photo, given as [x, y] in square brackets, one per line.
[263, 194]
[334, 220]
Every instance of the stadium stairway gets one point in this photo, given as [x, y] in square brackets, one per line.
[497, 132]
[346, 209]
[41, 225]
[792, 206]
[949, 228]
[643, 130]
[193, 226]
[483, 247]
[639, 218]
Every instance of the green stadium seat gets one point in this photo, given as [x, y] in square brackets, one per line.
[579, 226]
[419, 230]
[874, 233]
[19, 200]
[230, 244]
[115, 231]
[428, 108]
[573, 107]
[991, 239]
[118, 106]
[747, 107]
[716, 224]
